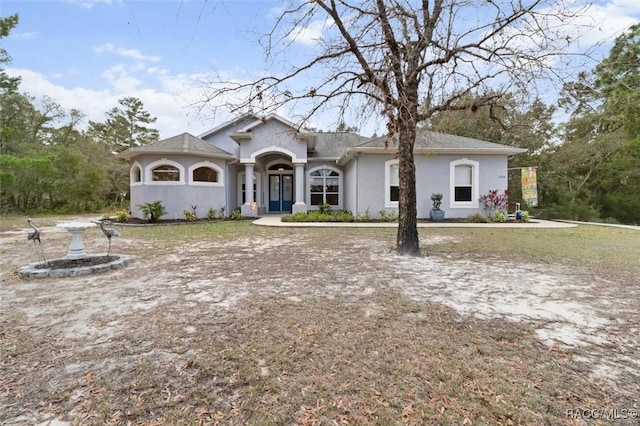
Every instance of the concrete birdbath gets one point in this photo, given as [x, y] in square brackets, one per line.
[76, 248]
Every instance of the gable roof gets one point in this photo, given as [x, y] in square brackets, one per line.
[185, 143]
[428, 142]
[244, 132]
[231, 123]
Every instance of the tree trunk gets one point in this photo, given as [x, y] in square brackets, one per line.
[407, 239]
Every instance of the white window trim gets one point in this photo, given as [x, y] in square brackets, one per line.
[148, 173]
[209, 165]
[475, 184]
[387, 184]
[241, 176]
[131, 174]
[340, 187]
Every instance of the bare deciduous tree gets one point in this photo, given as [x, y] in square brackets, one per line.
[404, 60]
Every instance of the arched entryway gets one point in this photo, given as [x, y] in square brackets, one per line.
[283, 177]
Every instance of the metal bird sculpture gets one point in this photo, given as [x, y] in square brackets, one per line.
[35, 237]
[109, 233]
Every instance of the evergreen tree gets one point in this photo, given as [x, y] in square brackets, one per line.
[127, 126]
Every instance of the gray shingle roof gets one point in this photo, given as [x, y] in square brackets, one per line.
[333, 145]
[433, 140]
[185, 143]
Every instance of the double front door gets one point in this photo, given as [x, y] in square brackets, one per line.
[280, 192]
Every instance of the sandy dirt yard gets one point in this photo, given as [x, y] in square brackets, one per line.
[267, 326]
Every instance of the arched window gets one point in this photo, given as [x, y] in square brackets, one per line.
[463, 179]
[325, 186]
[205, 174]
[280, 167]
[135, 175]
[165, 173]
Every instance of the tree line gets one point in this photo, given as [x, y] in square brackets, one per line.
[589, 164]
[50, 163]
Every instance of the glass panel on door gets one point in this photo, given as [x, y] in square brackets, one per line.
[274, 193]
[287, 192]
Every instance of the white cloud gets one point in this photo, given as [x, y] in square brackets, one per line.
[311, 34]
[127, 53]
[88, 4]
[173, 118]
[604, 22]
[26, 35]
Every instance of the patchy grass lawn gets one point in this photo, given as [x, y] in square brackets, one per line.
[229, 323]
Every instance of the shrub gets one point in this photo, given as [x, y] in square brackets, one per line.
[498, 216]
[364, 216]
[236, 215]
[478, 218]
[122, 216]
[494, 202]
[152, 211]
[324, 208]
[189, 216]
[211, 213]
[436, 200]
[316, 216]
[387, 216]
[296, 217]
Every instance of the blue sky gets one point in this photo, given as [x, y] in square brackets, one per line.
[87, 54]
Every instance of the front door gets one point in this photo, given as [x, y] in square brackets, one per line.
[280, 193]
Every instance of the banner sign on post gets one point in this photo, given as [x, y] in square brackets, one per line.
[530, 186]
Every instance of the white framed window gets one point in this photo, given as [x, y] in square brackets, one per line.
[135, 174]
[463, 179]
[391, 183]
[206, 173]
[325, 187]
[164, 172]
[242, 195]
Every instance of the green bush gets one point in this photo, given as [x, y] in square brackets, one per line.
[498, 216]
[153, 211]
[344, 216]
[236, 215]
[316, 216]
[387, 216]
[122, 216]
[324, 208]
[211, 213]
[364, 216]
[189, 216]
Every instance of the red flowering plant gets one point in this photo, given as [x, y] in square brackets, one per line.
[495, 202]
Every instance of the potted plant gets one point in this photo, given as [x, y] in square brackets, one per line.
[435, 214]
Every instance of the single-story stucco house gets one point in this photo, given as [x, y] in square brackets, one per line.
[294, 171]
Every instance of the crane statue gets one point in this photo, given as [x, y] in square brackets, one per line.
[109, 233]
[35, 237]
